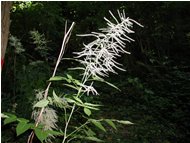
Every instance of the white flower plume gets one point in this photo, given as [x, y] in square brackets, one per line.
[99, 56]
[49, 118]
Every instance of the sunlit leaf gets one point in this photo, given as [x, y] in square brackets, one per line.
[50, 100]
[70, 100]
[69, 76]
[93, 105]
[78, 99]
[56, 98]
[87, 111]
[89, 107]
[77, 82]
[42, 103]
[4, 116]
[124, 122]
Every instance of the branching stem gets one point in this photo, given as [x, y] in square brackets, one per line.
[65, 41]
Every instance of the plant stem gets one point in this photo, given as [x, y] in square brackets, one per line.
[72, 111]
[78, 128]
[67, 123]
[65, 41]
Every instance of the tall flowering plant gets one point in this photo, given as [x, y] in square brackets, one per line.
[98, 59]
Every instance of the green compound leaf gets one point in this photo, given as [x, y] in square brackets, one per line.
[42, 103]
[87, 111]
[98, 125]
[22, 127]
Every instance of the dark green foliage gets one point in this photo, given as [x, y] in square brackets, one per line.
[154, 91]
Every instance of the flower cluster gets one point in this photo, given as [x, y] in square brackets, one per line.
[99, 56]
[49, 117]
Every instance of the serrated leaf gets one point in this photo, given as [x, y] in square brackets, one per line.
[11, 118]
[98, 125]
[111, 123]
[87, 111]
[94, 139]
[57, 78]
[42, 103]
[22, 127]
[124, 122]
[41, 134]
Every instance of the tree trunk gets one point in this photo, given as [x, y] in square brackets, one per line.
[5, 23]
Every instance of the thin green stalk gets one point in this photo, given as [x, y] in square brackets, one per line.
[72, 111]
[78, 128]
[67, 123]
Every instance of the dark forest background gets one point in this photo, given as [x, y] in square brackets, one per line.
[155, 90]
